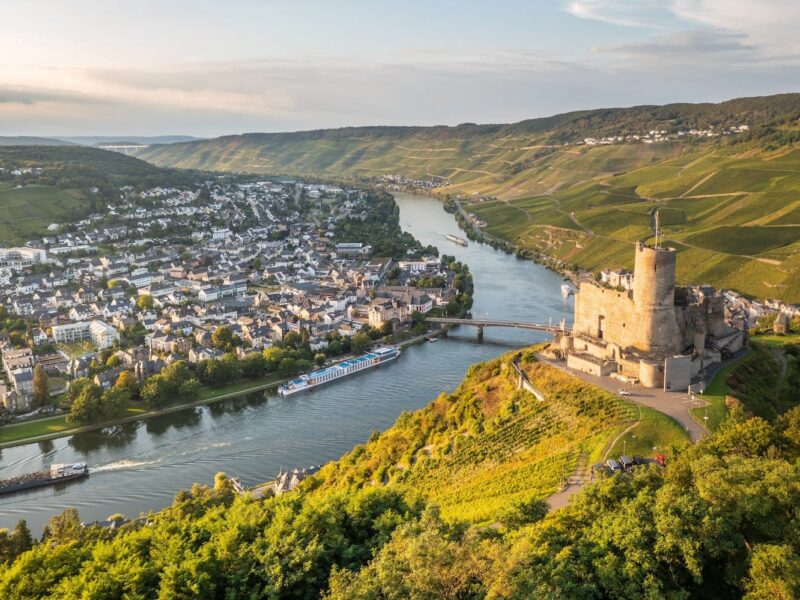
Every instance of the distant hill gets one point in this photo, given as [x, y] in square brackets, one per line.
[449, 152]
[98, 140]
[73, 181]
[729, 203]
[26, 140]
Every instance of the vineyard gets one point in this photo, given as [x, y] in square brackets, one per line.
[488, 447]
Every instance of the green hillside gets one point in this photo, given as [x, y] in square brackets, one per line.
[67, 183]
[488, 447]
[448, 504]
[731, 204]
[27, 211]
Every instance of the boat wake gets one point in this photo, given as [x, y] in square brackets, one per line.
[124, 465]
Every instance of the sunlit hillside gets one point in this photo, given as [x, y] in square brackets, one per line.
[729, 203]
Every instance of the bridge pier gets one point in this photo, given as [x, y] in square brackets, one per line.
[443, 328]
[480, 333]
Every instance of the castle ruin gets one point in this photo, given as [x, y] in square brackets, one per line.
[656, 334]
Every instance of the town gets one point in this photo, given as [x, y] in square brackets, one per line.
[209, 283]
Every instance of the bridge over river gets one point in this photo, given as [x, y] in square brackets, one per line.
[481, 324]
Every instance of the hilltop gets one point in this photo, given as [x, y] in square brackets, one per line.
[448, 504]
[27, 140]
[729, 201]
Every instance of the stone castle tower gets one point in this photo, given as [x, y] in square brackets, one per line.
[654, 300]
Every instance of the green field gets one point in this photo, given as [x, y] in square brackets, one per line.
[655, 433]
[26, 211]
[745, 240]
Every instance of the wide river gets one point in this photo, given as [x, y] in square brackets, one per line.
[142, 467]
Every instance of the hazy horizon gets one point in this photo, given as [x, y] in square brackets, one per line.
[202, 69]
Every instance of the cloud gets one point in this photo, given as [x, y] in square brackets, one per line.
[764, 27]
[35, 95]
[770, 25]
[695, 47]
[626, 13]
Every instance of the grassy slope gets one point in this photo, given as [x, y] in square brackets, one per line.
[61, 191]
[26, 211]
[487, 447]
[733, 210]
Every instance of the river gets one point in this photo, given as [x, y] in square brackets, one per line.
[141, 466]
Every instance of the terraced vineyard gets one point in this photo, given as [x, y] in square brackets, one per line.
[733, 213]
[489, 447]
[732, 205]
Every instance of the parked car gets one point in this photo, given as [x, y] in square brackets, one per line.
[599, 470]
[627, 463]
[624, 393]
[661, 460]
[613, 465]
[639, 460]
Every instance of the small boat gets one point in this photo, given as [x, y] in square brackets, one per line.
[567, 289]
[431, 340]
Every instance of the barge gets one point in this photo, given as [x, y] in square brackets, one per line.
[343, 369]
[58, 473]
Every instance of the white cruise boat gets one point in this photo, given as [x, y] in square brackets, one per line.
[458, 240]
[346, 367]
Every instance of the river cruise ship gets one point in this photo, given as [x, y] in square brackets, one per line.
[455, 239]
[343, 369]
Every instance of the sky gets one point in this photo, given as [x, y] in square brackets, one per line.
[209, 68]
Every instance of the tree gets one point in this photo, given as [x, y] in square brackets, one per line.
[189, 390]
[292, 339]
[112, 403]
[76, 387]
[360, 342]
[127, 381]
[774, 573]
[287, 366]
[155, 391]
[65, 528]
[41, 385]
[253, 365]
[222, 338]
[23, 540]
[86, 408]
[319, 358]
[144, 302]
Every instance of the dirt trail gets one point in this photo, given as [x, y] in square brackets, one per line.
[698, 184]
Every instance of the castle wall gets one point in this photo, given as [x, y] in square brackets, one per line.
[604, 313]
[651, 373]
[677, 373]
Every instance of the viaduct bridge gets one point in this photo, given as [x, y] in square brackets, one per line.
[481, 324]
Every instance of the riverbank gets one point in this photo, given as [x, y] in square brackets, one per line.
[20, 433]
[50, 428]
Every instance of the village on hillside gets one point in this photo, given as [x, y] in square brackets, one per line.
[229, 268]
